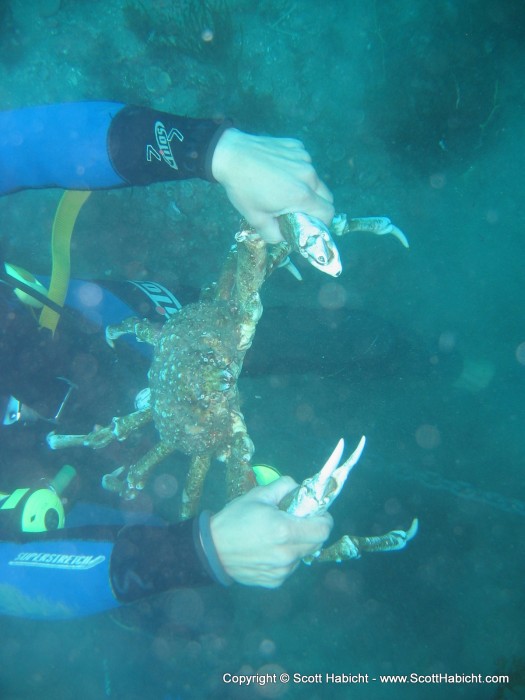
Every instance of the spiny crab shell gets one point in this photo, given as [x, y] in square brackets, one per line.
[193, 377]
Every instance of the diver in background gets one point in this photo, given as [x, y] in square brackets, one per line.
[37, 366]
[99, 145]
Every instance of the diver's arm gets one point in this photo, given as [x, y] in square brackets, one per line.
[250, 541]
[82, 571]
[100, 145]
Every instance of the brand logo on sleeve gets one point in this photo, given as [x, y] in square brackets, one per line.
[50, 560]
[165, 303]
[163, 150]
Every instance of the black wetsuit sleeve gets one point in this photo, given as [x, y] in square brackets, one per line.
[147, 146]
[148, 559]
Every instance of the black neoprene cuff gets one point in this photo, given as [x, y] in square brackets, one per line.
[207, 551]
[148, 559]
[147, 146]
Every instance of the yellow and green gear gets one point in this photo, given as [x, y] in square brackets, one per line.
[264, 474]
[37, 509]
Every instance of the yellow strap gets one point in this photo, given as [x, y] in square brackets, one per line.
[65, 217]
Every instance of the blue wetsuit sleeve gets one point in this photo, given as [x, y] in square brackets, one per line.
[100, 145]
[49, 576]
[62, 145]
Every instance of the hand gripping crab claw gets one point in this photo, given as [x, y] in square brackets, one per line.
[316, 494]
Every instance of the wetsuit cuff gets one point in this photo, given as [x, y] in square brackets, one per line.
[226, 124]
[206, 547]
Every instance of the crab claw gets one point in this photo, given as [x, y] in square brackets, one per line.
[111, 336]
[313, 240]
[380, 225]
[316, 494]
[341, 473]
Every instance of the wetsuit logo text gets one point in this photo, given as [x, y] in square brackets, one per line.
[165, 303]
[163, 139]
[51, 560]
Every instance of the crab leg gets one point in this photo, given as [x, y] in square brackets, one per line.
[192, 492]
[144, 331]
[352, 546]
[223, 288]
[239, 475]
[118, 429]
[380, 225]
[137, 474]
[250, 274]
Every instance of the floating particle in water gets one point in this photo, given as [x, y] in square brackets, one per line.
[272, 689]
[184, 607]
[520, 353]
[157, 81]
[332, 296]
[492, 216]
[305, 412]
[165, 486]
[428, 437]
[476, 375]
[336, 580]
[90, 294]
[447, 341]
[162, 648]
[372, 606]
[392, 506]
[335, 152]
[267, 647]
[438, 181]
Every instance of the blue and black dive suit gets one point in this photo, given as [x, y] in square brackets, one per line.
[98, 145]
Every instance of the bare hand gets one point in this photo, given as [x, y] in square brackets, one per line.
[259, 544]
[265, 177]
